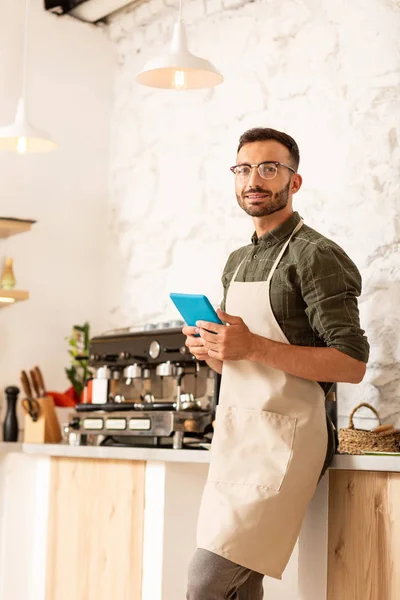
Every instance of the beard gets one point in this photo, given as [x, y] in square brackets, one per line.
[265, 206]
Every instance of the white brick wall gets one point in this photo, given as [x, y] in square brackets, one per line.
[328, 74]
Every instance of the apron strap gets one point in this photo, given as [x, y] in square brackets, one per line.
[286, 244]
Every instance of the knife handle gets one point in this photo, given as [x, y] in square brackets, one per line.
[26, 386]
[35, 384]
[40, 380]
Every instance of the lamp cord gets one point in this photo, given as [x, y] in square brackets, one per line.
[25, 54]
[180, 10]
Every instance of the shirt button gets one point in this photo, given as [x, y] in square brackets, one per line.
[255, 256]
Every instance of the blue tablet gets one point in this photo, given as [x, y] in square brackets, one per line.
[195, 307]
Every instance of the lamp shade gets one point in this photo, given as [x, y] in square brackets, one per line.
[22, 137]
[180, 69]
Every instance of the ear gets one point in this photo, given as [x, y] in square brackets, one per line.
[296, 183]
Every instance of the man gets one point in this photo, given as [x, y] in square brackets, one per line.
[292, 328]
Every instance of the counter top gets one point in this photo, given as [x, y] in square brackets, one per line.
[146, 454]
[341, 461]
[361, 462]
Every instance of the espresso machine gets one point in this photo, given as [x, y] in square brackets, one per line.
[148, 390]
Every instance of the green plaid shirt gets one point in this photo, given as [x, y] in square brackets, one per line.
[314, 288]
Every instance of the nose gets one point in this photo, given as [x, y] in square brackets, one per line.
[254, 178]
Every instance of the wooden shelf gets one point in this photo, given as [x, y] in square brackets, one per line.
[16, 295]
[9, 227]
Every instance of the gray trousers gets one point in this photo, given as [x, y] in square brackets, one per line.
[212, 577]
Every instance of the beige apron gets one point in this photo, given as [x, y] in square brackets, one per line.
[268, 448]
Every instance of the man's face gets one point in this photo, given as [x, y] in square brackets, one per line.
[260, 197]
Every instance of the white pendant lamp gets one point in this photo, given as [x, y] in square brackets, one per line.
[21, 136]
[180, 69]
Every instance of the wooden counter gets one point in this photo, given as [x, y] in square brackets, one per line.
[93, 523]
[364, 536]
[95, 528]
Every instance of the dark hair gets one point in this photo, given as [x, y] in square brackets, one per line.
[261, 134]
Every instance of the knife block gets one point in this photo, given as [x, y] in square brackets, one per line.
[46, 430]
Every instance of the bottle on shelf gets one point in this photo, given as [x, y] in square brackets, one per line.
[7, 280]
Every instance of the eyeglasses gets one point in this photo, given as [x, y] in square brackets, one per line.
[267, 169]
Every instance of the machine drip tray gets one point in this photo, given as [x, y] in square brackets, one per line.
[125, 406]
[164, 443]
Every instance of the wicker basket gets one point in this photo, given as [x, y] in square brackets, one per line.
[358, 441]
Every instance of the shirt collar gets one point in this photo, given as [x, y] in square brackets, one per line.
[279, 233]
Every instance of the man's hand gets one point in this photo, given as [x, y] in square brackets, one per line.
[227, 342]
[196, 346]
[195, 343]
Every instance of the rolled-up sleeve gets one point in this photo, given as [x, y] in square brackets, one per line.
[330, 285]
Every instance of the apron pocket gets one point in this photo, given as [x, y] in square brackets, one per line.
[251, 447]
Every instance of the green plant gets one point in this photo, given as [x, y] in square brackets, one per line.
[78, 347]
